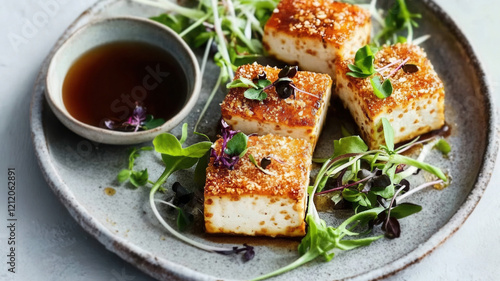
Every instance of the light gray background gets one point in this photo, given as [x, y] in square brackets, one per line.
[52, 246]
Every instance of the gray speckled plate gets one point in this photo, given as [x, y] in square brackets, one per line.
[78, 172]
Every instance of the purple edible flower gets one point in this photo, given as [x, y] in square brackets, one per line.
[135, 120]
[138, 116]
[222, 158]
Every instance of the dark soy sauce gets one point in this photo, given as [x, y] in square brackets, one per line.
[108, 81]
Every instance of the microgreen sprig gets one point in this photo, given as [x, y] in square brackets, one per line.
[367, 190]
[363, 67]
[284, 85]
[398, 18]
[234, 26]
[136, 178]
[234, 146]
[176, 157]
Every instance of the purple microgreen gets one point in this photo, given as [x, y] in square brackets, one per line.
[398, 68]
[288, 71]
[262, 76]
[252, 159]
[304, 92]
[387, 66]
[266, 161]
[183, 220]
[258, 86]
[391, 228]
[272, 156]
[410, 68]
[139, 120]
[391, 224]
[137, 117]
[182, 195]
[231, 150]
[248, 255]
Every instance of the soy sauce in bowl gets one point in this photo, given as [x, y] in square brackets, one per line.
[109, 81]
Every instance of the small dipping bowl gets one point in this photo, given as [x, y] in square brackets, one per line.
[119, 29]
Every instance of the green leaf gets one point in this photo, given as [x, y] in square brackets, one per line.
[255, 94]
[200, 172]
[400, 159]
[168, 144]
[358, 74]
[381, 90]
[237, 145]
[241, 82]
[363, 53]
[352, 144]
[153, 123]
[366, 65]
[443, 146]
[139, 178]
[388, 134]
[405, 209]
[123, 175]
[184, 133]
[183, 220]
[353, 68]
[176, 163]
[262, 83]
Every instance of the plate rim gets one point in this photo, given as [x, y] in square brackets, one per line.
[161, 268]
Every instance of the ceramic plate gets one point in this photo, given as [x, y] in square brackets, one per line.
[79, 171]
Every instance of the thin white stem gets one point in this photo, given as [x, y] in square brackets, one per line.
[194, 25]
[418, 188]
[172, 231]
[205, 56]
[421, 39]
[166, 203]
[210, 98]
[222, 40]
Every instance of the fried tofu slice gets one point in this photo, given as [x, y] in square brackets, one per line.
[247, 201]
[415, 107]
[301, 116]
[315, 33]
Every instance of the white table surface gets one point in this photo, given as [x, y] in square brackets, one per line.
[52, 246]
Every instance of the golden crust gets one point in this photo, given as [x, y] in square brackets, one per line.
[290, 178]
[329, 21]
[407, 87]
[299, 112]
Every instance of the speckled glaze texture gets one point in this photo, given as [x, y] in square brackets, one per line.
[79, 170]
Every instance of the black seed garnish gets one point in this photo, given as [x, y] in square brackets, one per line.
[410, 68]
[266, 161]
